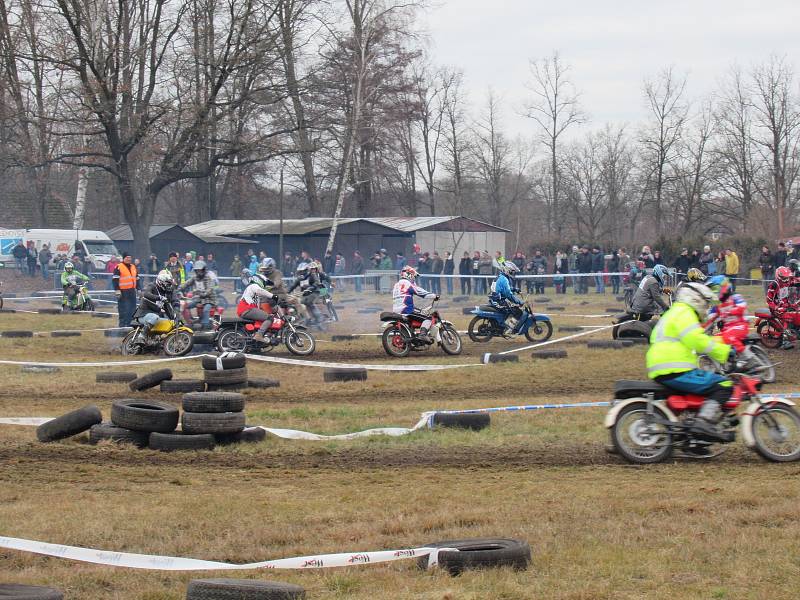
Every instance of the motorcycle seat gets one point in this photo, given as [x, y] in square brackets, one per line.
[393, 316]
[763, 313]
[235, 321]
[488, 308]
[627, 388]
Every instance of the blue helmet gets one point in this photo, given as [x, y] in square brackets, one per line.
[660, 272]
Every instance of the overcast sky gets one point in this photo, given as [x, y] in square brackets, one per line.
[611, 45]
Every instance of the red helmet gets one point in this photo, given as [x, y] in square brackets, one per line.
[783, 274]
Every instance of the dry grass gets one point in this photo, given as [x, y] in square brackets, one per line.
[598, 529]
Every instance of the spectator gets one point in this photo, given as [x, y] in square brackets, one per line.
[584, 265]
[476, 264]
[125, 282]
[211, 264]
[329, 264]
[539, 268]
[767, 263]
[497, 261]
[731, 267]
[261, 256]
[613, 267]
[694, 259]
[424, 269]
[486, 268]
[153, 265]
[45, 256]
[519, 260]
[682, 263]
[707, 265]
[111, 266]
[357, 268]
[647, 257]
[399, 262]
[719, 263]
[386, 262]
[437, 265]
[61, 260]
[236, 266]
[598, 266]
[573, 267]
[780, 256]
[624, 258]
[175, 267]
[340, 270]
[560, 268]
[465, 270]
[188, 265]
[33, 258]
[529, 269]
[657, 259]
[448, 270]
[20, 253]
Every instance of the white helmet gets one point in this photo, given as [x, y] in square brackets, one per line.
[164, 280]
[509, 268]
[68, 266]
[696, 295]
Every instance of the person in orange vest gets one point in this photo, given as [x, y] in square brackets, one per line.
[125, 280]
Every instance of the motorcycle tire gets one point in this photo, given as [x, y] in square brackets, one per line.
[540, 331]
[178, 343]
[765, 440]
[767, 375]
[480, 329]
[629, 423]
[232, 340]
[300, 343]
[451, 341]
[395, 342]
[128, 347]
[771, 336]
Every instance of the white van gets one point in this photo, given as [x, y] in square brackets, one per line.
[95, 245]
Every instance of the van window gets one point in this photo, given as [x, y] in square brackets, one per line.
[100, 247]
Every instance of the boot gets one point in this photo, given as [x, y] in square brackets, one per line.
[511, 324]
[746, 361]
[706, 426]
[424, 336]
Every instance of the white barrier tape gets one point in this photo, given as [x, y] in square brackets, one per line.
[433, 557]
[338, 365]
[293, 434]
[154, 562]
[555, 341]
[25, 421]
[112, 363]
[525, 407]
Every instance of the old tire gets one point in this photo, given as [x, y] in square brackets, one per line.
[473, 421]
[501, 358]
[242, 589]
[109, 431]
[226, 376]
[65, 333]
[343, 338]
[40, 369]
[49, 311]
[167, 442]
[262, 383]
[549, 354]
[221, 387]
[144, 415]
[207, 422]
[182, 386]
[101, 315]
[72, 423]
[356, 374]
[480, 553]
[115, 377]
[213, 402]
[117, 332]
[634, 329]
[14, 591]
[612, 344]
[570, 329]
[16, 334]
[557, 308]
[247, 435]
[150, 380]
[224, 362]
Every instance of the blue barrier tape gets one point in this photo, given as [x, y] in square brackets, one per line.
[524, 407]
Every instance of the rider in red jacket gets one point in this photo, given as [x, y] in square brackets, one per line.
[781, 301]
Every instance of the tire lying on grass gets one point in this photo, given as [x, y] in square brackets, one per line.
[166, 442]
[144, 415]
[49, 311]
[224, 362]
[633, 329]
[213, 402]
[480, 553]
[343, 338]
[246, 435]
[109, 431]
[355, 374]
[149, 380]
[549, 354]
[102, 315]
[242, 589]
[570, 328]
[227, 422]
[263, 382]
[224, 387]
[40, 369]
[612, 344]
[16, 334]
[473, 421]
[180, 386]
[72, 423]
[65, 333]
[501, 358]
[115, 377]
[226, 376]
[13, 591]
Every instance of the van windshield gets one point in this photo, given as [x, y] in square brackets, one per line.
[100, 247]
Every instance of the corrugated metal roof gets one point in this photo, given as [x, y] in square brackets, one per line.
[263, 227]
[122, 233]
[224, 239]
[409, 224]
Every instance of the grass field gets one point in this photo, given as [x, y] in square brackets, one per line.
[598, 528]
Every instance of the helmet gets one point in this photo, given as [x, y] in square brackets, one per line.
[509, 268]
[408, 272]
[164, 281]
[68, 267]
[783, 274]
[794, 265]
[302, 269]
[315, 264]
[200, 269]
[259, 280]
[695, 274]
[267, 267]
[266, 262]
[720, 285]
[696, 295]
[660, 272]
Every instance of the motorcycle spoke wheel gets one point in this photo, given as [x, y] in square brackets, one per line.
[480, 329]
[776, 432]
[539, 331]
[300, 343]
[638, 438]
[451, 341]
[128, 347]
[395, 342]
[767, 371]
[231, 341]
[771, 336]
[178, 343]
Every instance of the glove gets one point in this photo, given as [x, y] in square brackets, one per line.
[436, 298]
[732, 355]
[668, 291]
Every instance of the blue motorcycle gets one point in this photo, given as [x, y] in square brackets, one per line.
[490, 322]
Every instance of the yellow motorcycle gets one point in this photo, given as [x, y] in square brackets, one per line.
[169, 336]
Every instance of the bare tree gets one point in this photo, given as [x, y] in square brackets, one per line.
[456, 145]
[492, 153]
[554, 107]
[584, 186]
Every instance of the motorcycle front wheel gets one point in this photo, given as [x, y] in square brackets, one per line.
[300, 343]
[480, 329]
[771, 336]
[128, 347]
[540, 331]
[450, 340]
[178, 343]
[231, 340]
[638, 438]
[395, 341]
[776, 432]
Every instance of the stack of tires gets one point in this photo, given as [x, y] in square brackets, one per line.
[225, 373]
[218, 414]
[142, 422]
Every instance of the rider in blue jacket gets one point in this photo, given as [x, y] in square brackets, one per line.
[504, 293]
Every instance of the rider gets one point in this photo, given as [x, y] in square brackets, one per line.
[672, 357]
[503, 295]
[310, 278]
[203, 286]
[158, 302]
[71, 280]
[730, 311]
[250, 305]
[647, 299]
[781, 300]
[276, 285]
[403, 294]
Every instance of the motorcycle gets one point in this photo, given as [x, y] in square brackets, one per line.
[648, 422]
[168, 335]
[762, 366]
[213, 311]
[401, 333]
[235, 334]
[490, 322]
[81, 302]
[773, 328]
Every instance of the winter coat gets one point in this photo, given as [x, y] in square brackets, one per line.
[465, 266]
[449, 266]
[584, 263]
[437, 264]
[647, 298]
[598, 262]
[682, 264]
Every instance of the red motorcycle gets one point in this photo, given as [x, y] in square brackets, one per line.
[774, 327]
[214, 311]
[648, 421]
[235, 334]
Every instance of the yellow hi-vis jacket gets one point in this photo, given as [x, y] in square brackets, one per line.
[676, 341]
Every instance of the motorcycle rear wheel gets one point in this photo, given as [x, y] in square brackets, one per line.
[178, 343]
[300, 343]
[231, 340]
[539, 331]
[480, 329]
[637, 439]
[776, 432]
[451, 341]
[395, 342]
[766, 375]
[771, 336]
